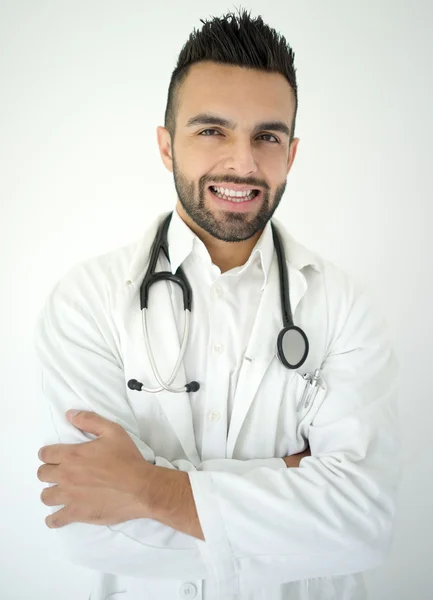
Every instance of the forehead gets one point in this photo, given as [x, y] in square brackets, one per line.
[240, 93]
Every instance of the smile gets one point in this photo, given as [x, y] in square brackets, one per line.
[232, 195]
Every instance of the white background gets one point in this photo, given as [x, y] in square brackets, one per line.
[83, 86]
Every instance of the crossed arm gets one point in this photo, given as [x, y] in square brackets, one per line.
[107, 481]
[173, 501]
[333, 517]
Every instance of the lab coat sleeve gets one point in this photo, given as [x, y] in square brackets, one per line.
[79, 366]
[334, 514]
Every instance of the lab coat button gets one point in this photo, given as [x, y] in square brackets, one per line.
[218, 348]
[215, 416]
[188, 590]
[218, 291]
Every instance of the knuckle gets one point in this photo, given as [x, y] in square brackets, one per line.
[75, 453]
[71, 477]
[114, 428]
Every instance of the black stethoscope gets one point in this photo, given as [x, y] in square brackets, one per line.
[292, 343]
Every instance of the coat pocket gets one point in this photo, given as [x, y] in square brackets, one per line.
[308, 403]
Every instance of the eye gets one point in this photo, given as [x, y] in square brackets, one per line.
[270, 135]
[204, 131]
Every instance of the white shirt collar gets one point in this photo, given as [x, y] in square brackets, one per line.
[297, 255]
[182, 241]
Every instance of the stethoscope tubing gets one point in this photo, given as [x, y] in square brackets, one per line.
[165, 386]
[161, 243]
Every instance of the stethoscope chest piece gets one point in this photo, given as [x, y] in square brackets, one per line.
[292, 347]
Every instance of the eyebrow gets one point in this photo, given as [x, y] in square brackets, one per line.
[210, 119]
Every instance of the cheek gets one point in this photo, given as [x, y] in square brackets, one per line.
[276, 173]
[196, 162]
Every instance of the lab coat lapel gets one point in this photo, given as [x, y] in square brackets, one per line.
[261, 349]
[262, 346]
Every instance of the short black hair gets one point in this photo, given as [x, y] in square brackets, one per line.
[242, 41]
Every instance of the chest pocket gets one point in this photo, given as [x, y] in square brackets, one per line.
[307, 404]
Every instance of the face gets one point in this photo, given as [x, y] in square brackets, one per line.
[244, 143]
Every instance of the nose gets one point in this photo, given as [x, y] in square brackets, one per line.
[241, 157]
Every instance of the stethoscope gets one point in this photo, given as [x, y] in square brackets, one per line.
[292, 343]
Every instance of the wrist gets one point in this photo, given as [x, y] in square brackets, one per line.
[157, 491]
[147, 481]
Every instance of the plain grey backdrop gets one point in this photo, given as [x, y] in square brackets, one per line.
[83, 86]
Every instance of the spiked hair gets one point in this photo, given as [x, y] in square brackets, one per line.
[243, 42]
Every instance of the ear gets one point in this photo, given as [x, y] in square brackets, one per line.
[165, 148]
[292, 153]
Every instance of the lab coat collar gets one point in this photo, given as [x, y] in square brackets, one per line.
[297, 256]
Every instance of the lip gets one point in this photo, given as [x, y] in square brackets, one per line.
[236, 206]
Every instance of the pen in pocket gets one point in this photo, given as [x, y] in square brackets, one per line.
[310, 389]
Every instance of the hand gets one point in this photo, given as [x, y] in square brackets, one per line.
[102, 481]
[295, 459]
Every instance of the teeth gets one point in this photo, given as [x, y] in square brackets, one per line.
[232, 195]
[237, 198]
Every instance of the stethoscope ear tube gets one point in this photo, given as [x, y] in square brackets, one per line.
[161, 243]
[163, 276]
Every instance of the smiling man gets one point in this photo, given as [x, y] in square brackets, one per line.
[230, 150]
[262, 477]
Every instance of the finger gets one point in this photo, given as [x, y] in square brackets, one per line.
[53, 496]
[48, 473]
[58, 519]
[90, 422]
[55, 453]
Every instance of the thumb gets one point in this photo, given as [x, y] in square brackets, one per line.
[88, 421]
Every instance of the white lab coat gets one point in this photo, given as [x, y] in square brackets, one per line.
[271, 532]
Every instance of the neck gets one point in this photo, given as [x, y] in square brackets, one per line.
[225, 255]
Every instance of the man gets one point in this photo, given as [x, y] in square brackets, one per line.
[244, 487]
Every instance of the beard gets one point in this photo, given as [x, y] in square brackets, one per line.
[227, 226]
